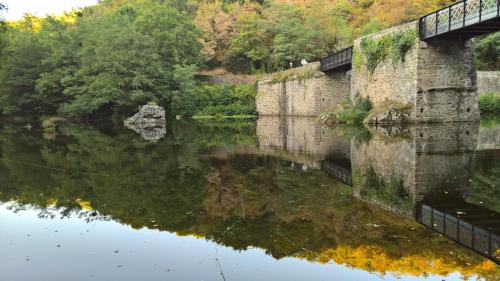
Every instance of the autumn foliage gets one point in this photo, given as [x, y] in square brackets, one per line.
[250, 36]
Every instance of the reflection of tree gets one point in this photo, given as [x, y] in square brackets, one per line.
[238, 201]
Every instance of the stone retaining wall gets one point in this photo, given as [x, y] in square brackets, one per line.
[488, 82]
[307, 92]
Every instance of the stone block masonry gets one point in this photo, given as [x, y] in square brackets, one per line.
[407, 81]
[303, 91]
[434, 81]
[488, 82]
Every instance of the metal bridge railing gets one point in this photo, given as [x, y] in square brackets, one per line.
[338, 59]
[458, 15]
[478, 239]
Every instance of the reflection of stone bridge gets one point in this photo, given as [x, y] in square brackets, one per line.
[304, 141]
[399, 169]
[470, 225]
[428, 171]
[489, 138]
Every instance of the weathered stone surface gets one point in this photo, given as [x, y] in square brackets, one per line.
[446, 82]
[438, 79]
[148, 115]
[390, 115]
[304, 95]
[488, 82]
[390, 82]
[149, 122]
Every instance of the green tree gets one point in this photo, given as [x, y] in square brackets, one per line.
[251, 48]
[488, 52]
[20, 66]
[290, 42]
[132, 56]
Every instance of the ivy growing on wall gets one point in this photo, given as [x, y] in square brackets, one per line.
[393, 46]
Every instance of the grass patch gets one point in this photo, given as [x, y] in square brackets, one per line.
[300, 73]
[490, 103]
[348, 112]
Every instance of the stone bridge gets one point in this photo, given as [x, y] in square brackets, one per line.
[432, 78]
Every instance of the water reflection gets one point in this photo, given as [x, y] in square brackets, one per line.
[152, 133]
[288, 186]
[428, 171]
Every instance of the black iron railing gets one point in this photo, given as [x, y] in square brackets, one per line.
[337, 60]
[337, 171]
[481, 240]
[457, 16]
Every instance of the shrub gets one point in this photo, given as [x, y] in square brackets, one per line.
[392, 45]
[349, 112]
[490, 103]
[226, 100]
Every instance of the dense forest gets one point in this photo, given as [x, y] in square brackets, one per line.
[116, 55]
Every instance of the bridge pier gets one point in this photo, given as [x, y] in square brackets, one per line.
[432, 81]
[446, 81]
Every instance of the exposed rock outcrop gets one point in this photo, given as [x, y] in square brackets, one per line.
[149, 122]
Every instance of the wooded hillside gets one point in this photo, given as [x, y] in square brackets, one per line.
[116, 55]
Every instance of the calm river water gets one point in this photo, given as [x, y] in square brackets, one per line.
[271, 199]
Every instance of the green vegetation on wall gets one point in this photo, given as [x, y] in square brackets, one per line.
[300, 74]
[348, 112]
[393, 46]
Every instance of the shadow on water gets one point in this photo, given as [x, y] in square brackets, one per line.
[354, 196]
